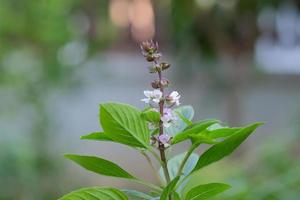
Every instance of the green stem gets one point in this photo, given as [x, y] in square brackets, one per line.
[181, 181]
[152, 166]
[185, 159]
[155, 156]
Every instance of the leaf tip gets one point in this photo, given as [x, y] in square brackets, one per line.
[84, 137]
[257, 124]
[227, 187]
[68, 155]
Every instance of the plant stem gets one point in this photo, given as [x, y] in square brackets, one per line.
[161, 146]
[165, 165]
[182, 181]
[155, 156]
[186, 157]
[161, 132]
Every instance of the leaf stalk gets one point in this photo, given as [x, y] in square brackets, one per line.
[186, 157]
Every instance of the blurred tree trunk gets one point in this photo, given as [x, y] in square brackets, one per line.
[232, 94]
[236, 71]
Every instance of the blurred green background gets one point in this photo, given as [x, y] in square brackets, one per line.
[237, 60]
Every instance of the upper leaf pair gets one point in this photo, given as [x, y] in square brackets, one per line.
[127, 125]
[194, 132]
[226, 147]
[122, 123]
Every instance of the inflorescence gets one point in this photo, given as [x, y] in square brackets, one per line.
[157, 99]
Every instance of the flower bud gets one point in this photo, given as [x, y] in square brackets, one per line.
[164, 138]
[164, 83]
[149, 46]
[154, 69]
[155, 84]
[164, 66]
[150, 51]
[150, 58]
[153, 140]
[173, 98]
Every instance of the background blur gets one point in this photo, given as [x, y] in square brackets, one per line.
[237, 60]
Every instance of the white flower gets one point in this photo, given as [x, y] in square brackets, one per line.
[166, 122]
[173, 98]
[168, 118]
[152, 96]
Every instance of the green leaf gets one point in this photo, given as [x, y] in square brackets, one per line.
[100, 166]
[226, 147]
[95, 193]
[123, 123]
[155, 131]
[151, 115]
[184, 111]
[174, 163]
[184, 119]
[173, 167]
[169, 189]
[198, 139]
[176, 196]
[206, 191]
[137, 195]
[193, 129]
[99, 136]
[219, 131]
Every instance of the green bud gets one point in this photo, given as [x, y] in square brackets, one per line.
[164, 66]
[154, 69]
[150, 58]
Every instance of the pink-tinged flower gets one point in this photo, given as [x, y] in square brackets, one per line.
[152, 96]
[164, 138]
[173, 98]
[149, 46]
[150, 51]
[168, 118]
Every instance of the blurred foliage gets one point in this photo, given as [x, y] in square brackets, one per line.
[216, 26]
[38, 42]
[217, 38]
[39, 29]
[272, 172]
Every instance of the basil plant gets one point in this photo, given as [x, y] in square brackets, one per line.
[153, 131]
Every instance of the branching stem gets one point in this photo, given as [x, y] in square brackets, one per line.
[156, 156]
[185, 159]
